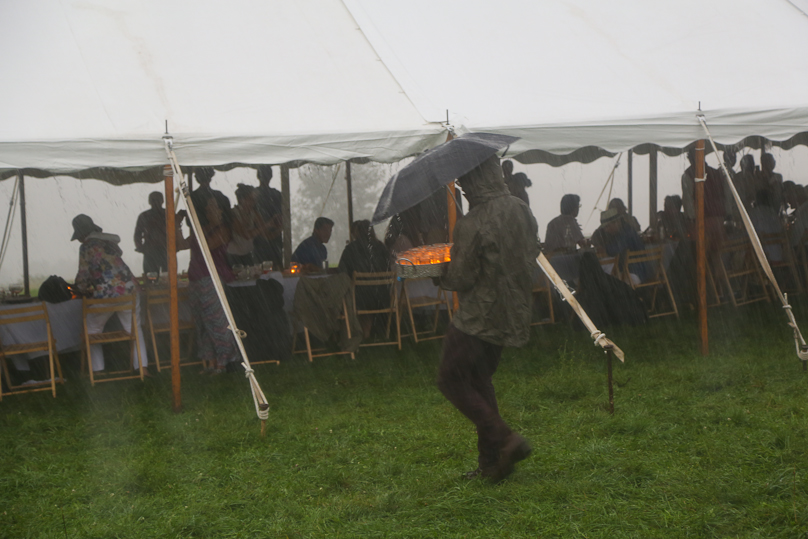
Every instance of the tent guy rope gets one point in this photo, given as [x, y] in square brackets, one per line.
[610, 184]
[598, 336]
[261, 405]
[799, 341]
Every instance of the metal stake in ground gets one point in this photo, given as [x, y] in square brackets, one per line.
[609, 348]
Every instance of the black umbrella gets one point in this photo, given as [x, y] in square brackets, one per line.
[435, 168]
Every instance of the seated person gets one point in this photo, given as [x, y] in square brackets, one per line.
[766, 220]
[672, 222]
[617, 204]
[615, 236]
[103, 274]
[564, 232]
[247, 224]
[366, 254]
[312, 252]
[799, 201]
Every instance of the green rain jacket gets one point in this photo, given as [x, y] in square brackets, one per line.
[493, 260]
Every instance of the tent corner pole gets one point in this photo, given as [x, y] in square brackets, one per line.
[349, 189]
[26, 281]
[630, 182]
[286, 211]
[173, 300]
[653, 180]
[701, 255]
[451, 217]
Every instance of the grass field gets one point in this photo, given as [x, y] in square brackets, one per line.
[698, 447]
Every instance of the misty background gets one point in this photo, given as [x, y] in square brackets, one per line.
[53, 202]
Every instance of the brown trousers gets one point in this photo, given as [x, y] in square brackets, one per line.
[464, 378]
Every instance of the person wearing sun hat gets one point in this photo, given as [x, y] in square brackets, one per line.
[615, 236]
[103, 274]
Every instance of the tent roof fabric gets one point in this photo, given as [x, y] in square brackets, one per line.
[91, 83]
[566, 74]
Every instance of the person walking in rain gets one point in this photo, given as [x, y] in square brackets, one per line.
[493, 261]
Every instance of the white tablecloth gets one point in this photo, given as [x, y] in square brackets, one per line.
[65, 320]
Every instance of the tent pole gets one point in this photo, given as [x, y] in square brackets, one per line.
[173, 305]
[652, 186]
[349, 189]
[190, 171]
[451, 210]
[287, 217]
[631, 182]
[26, 282]
[701, 247]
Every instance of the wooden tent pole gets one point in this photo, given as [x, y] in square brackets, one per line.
[701, 247]
[451, 210]
[652, 186]
[286, 213]
[26, 281]
[349, 189]
[631, 182]
[173, 301]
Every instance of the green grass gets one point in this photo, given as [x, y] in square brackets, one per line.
[698, 447]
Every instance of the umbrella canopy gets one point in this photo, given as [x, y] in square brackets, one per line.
[435, 168]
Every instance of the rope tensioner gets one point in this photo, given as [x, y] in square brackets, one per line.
[757, 247]
[261, 405]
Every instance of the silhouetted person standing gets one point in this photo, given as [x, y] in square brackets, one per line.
[150, 235]
[269, 202]
[204, 176]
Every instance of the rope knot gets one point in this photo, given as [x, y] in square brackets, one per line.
[597, 336]
[241, 333]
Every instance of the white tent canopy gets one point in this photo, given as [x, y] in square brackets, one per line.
[92, 83]
[566, 74]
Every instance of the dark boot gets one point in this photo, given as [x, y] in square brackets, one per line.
[514, 449]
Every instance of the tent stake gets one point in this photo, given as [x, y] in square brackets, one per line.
[609, 380]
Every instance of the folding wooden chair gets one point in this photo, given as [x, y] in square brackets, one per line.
[111, 305]
[802, 256]
[157, 307]
[788, 262]
[19, 315]
[658, 279]
[387, 279]
[740, 269]
[543, 289]
[321, 352]
[408, 302]
[610, 265]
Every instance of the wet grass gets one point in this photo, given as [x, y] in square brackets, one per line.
[698, 447]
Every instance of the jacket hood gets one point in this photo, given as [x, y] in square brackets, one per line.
[114, 238]
[111, 242]
[484, 182]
